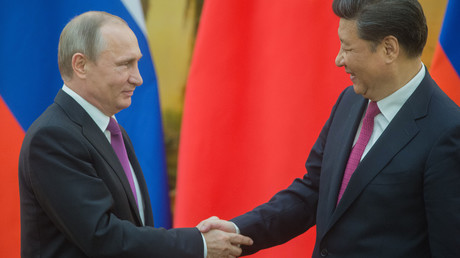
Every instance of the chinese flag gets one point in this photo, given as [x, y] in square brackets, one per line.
[262, 83]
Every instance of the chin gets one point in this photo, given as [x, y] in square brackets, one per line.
[361, 91]
[124, 105]
[357, 89]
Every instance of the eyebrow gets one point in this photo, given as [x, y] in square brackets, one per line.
[129, 59]
[344, 42]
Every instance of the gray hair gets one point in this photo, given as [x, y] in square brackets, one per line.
[82, 35]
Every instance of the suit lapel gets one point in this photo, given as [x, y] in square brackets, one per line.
[148, 215]
[342, 151]
[401, 130]
[101, 144]
[395, 137]
[98, 140]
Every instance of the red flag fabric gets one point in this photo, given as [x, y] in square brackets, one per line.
[11, 135]
[262, 83]
[445, 67]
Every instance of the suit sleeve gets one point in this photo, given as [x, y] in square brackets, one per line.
[71, 193]
[442, 195]
[292, 211]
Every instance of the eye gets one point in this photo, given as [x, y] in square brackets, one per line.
[346, 49]
[124, 63]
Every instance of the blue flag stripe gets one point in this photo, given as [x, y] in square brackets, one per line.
[450, 38]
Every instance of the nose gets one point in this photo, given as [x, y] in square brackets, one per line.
[135, 77]
[339, 60]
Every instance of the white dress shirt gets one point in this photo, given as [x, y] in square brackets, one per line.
[389, 107]
[102, 121]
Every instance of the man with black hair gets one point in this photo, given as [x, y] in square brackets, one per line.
[383, 178]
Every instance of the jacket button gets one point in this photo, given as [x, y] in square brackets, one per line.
[324, 252]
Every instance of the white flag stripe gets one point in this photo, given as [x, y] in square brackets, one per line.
[134, 7]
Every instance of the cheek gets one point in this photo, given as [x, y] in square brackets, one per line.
[351, 60]
[118, 79]
[121, 79]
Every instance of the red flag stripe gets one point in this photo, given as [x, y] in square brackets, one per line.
[445, 75]
[11, 135]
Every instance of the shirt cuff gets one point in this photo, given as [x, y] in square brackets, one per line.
[205, 250]
[236, 228]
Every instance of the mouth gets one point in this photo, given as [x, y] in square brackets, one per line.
[352, 76]
[128, 93]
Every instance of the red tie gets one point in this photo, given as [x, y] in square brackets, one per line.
[358, 149]
[119, 147]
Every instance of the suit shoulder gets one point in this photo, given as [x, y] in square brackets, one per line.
[53, 123]
[53, 116]
[443, 107]
[348, 97]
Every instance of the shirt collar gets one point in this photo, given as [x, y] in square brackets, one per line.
[390, 105]
[101, 120]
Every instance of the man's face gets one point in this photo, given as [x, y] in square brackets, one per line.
[111, 80]
[366, 66]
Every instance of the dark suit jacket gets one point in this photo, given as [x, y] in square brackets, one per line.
[403, 200]
[76, 200]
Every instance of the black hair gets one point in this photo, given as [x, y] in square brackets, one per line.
[376, 19]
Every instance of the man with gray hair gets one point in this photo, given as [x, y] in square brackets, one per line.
[82, 190]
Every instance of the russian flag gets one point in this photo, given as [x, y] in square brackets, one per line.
[445, 68]
[30, 79]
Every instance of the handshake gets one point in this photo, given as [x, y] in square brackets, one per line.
[222, 238]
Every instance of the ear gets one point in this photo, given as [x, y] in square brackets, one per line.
[79, 65]
[391, 48]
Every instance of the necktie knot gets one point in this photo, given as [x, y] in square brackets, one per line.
[113, 126]
[372, 110]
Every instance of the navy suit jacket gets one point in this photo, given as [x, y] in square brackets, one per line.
[403, 200]
[76, 200]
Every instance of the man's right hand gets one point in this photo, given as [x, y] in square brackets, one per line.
[224, 244]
